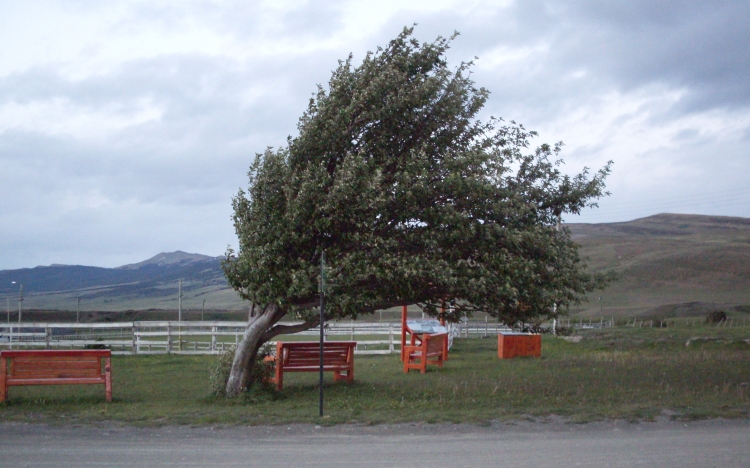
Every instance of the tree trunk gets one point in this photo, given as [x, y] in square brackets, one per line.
[239, 376]
[261, 328]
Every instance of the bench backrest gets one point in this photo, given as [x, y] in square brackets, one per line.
[435, 343]
[304, 354]
[48, 364]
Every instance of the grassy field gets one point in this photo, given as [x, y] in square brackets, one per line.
[611, 373]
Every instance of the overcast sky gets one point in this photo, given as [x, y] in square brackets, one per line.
[127, 126]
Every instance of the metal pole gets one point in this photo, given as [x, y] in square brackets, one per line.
[78, 311]
[7, 299]
[179, 302]
[322, 318]
[20, 301]
[203, 309]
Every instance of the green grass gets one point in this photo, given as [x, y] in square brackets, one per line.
[620, 373]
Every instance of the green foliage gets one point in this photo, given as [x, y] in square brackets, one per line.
[220, 373]
[261, 372]
[413, 200]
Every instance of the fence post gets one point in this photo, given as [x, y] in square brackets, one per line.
[390, 339]
[169, 338]
[46, 336]
[213, 338]
[135, 340]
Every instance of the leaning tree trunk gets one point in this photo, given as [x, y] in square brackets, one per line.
[260, 329]
[247, 349]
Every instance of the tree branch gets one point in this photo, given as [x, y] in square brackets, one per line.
[277, 329]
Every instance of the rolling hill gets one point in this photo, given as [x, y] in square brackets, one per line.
[667, 264]
[151, 284]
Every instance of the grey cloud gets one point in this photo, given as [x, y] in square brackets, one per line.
[169, 181]
[697, 46]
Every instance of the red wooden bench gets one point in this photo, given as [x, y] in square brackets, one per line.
[52, 367]
[430, 351]
[304, 356]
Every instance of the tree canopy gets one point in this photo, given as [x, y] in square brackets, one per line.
[412, 198]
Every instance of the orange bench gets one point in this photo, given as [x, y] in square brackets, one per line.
[430, 351]
[304, 356]
[48, 367]
[510, 345]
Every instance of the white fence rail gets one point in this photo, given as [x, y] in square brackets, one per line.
[172, 337]
[202, 337]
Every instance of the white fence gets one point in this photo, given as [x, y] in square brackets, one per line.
[203, 337]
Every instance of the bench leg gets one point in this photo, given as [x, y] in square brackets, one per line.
[279, 378]
[3, 383]
[279, 366]
[108, 378]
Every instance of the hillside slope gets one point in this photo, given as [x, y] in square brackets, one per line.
[151, 284]
[667, 264]
[668, 259]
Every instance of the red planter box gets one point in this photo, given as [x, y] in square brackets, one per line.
[510, 345]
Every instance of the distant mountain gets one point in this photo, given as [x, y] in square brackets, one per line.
[668, 264]
[172, 258]
[165, 267]
[152, 283]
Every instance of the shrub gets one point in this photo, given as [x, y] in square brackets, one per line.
[97, 346]
[716, 316]
[260, 374]
[220, 372]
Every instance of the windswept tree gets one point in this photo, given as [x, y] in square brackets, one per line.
[412, 199]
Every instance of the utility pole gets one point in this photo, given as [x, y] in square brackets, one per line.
[20, 301]
[203, 309]
[78, 310]
[179, 302]
[7, 299]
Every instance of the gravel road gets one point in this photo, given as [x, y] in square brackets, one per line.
[553, 443]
